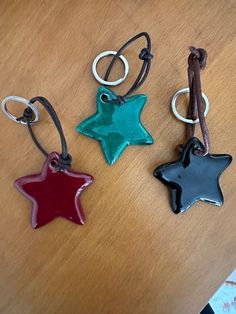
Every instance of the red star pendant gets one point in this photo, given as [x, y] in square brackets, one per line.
[54, 193]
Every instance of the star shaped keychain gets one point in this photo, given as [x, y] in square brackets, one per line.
[54, 192]
[116, 126]
[193, 178]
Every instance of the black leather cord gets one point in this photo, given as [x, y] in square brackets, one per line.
[28, 116]
[144, 55]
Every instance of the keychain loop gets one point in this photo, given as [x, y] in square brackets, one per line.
[105, 82]
[32, 112]
[145, 55]
[196, 113]
[196, 62]
[22, 101]
[175, 112]
[64, 158]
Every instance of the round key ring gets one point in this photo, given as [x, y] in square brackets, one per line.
[105, 54]
[175, 112]
[22, 101]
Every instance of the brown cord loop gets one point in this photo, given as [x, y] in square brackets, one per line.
[28, 116]
[145, 55]
[197, 62]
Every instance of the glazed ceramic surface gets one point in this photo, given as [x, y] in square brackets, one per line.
[116, 126]
[193, 178]
[54, 193]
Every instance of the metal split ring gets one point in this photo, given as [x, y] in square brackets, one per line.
[112, 83]
[22, 101]
[174, 110]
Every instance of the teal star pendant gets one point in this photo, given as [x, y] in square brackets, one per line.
[116, 126]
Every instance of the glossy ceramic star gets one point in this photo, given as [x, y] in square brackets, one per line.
[193, 178]
[54, 193]
[116, 126]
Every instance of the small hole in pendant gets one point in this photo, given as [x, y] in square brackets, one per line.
[54, 164]
[197, 151]
[104, 98]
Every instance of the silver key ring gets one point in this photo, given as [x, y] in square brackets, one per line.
[102, 55]
[175, 112]
[22, 101]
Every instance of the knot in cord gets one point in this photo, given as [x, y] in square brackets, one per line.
[28, 115]
[145, 54]
[120, 99]
[65, 163]
[197, 53]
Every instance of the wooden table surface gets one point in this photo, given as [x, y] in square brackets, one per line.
[132, 255]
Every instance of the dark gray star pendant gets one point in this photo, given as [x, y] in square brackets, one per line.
[193, 178]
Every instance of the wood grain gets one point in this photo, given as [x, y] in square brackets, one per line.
[133, 255]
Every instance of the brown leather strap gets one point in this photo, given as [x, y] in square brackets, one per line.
[197, 62]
